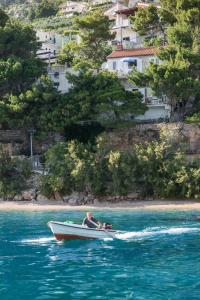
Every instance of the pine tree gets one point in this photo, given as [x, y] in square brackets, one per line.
[175, 28]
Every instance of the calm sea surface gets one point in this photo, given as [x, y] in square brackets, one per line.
[159, 259]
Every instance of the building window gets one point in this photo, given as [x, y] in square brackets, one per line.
[56, 74]
[114, 65]
[132, 64]
[56, 84]
[126, 39]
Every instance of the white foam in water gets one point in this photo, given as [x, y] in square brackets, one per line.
[42, 240]
[108, 239]
[149, 233]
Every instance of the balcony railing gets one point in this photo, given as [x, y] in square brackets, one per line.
[124, 45]
[129, 44]
[122, 23]
[156, 101]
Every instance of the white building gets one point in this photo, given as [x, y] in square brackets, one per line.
[129, 54]
[70, 8]
[52, 43]
[125, 36]
[111, 13]
[57, 73]
[123, 61]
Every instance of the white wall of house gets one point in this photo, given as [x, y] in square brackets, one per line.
[129, 38]
[123, 68]
[111, 12]
[155, 112]
[57, 73]
[157, 108]
[123, 29]
[51, 41]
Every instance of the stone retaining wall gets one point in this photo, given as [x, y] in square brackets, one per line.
[188, 135]
[17, 141]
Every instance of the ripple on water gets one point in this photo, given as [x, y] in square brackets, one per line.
[157, 258]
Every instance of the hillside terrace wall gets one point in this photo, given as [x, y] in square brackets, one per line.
[187, 134]
[17, 141]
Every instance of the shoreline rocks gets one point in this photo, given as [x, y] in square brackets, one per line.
[75, 199]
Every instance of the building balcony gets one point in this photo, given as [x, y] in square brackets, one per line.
[50, 41]
[125, 45]
[154, 101]
[123, 73]
[122, 24]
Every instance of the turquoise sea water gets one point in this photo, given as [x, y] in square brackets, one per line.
[159, 259]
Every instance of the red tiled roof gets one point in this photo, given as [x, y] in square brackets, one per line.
[133, 52]
[127, 11]
[131, 10]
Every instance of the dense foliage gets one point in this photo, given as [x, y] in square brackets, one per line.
[19, 65]
[99, 97]
[93, 30]
[56, 23]
[38, 107]
[174, 27]
[27, 97]
[44, 9]
[155, 169]
[13, 175]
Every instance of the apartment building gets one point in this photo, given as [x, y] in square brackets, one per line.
[52, 43]
[128, 53]
[123, 62]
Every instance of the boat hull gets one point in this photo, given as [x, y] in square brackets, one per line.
[64, 231]
[69, 237]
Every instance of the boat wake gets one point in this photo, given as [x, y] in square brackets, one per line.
[38, 241]
[155, 232]
[147, 233]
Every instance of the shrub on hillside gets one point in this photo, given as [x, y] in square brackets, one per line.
[156, 169]
[14, 173]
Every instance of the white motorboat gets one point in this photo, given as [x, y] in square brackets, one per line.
[68, 231]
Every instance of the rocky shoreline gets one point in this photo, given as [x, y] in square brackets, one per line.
[34, 195]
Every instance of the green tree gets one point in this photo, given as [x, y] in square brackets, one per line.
[38, 107]
[67, 53]
[19, 65]
[94, 33]
[44, 9]
[101, 97]
[156, 169]
[13, 175]
[3, 18]
[176, 25]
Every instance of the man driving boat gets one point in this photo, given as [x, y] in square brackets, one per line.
[91, 222]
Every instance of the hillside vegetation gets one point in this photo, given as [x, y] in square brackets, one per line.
[11, 2]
